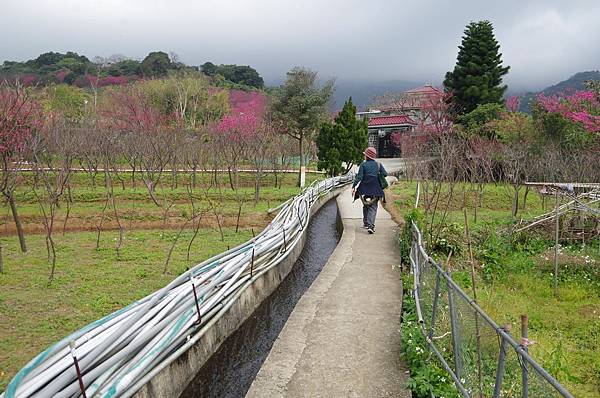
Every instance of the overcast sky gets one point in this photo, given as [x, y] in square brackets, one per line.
[544, 41]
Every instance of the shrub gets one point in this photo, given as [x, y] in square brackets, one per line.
[449, 240]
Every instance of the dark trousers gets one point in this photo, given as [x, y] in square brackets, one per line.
[370, 212]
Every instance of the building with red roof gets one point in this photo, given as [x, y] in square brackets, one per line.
[404, 113]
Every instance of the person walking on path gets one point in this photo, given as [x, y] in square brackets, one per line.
[366, 185]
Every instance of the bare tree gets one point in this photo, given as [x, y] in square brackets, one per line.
[515, 161]
[261, 148]
[53, 153]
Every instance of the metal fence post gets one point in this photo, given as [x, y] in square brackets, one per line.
[501, 363]
[524, 369]
[454, 328]
[435, 302]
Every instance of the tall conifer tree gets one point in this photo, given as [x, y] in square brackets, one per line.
[477, 76]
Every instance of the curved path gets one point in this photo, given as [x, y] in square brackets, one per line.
[343, 337]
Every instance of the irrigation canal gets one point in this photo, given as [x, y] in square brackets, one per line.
[232, 369]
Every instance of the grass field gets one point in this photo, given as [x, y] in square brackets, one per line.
[136, 210]
[90, 283]
[515, 277]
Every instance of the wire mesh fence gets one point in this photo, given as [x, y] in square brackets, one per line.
[483, 359]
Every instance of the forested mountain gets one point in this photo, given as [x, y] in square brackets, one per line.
[72, 68]
[575, 82]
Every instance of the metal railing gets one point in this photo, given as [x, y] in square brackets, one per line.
[482, 358]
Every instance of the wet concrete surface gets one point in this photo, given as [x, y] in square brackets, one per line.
[232, 369]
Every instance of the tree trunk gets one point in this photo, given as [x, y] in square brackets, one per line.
[133, 177]
[50, 240]
[173, 178]
[525, 197]
[230, 179]
[166, 267]
[196, 228]
[66, 217]
[257, 185]
[13, 208]
[515, 206]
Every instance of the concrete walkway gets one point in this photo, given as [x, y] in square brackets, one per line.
[343, 337]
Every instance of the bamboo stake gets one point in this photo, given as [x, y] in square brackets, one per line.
[418, 194]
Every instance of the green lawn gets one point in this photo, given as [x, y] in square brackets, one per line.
[515, 277]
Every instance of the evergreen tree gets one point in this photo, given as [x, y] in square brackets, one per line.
[342, 141]
[477, 76]
[156, 64]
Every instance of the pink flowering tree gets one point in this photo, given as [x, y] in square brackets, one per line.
[512, 103]
[19, 117]
[572, 118]
[238, 130]
[434, 117]
[432, 121]
[112, 81]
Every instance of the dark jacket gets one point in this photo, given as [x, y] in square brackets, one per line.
[368, 177]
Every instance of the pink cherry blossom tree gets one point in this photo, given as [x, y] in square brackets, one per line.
[580, 107]
[19, 117]
[235, 131]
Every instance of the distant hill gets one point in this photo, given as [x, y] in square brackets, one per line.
[72, 68]
[575, 82]
[362, 92]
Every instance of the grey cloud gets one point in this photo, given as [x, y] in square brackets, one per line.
[542, 40]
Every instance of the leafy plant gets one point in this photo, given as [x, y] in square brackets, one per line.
[416, 216]
[449, 240]
[555, 364]
[490, 253]
[427, 377]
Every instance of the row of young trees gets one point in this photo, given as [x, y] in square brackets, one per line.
[178, 124]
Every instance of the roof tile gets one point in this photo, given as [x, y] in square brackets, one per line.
[390, 120]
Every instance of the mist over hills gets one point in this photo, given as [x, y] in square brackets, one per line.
[363, 92]
[575, 82]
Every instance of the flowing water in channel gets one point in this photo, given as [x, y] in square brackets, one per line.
[232, 369]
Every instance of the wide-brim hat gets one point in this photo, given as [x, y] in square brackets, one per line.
[370, 152]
